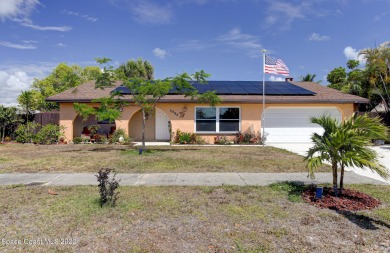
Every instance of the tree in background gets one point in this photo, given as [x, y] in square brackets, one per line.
[309, 78]
[26, 100]
[146, 94]
[372, 81]
[63, 77]
[345, 144]
[8, 116]
[136, 69]
[378, 72]
[351, 82]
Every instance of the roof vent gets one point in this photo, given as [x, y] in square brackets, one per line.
[289, 79]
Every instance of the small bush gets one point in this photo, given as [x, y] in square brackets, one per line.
[185, 138]
[107, 187]
[199, 140]
[222, 140]
[33, 132]
[26, 133]
[247, 138]
[103, 139]
[93, 129]
[77, 140]
[120, 133]
[49, 134]
[188, 138]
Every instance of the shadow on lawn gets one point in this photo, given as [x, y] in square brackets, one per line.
[293, 189]
[363, 221]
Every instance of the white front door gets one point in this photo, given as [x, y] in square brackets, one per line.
[292, 124]
[162, 129]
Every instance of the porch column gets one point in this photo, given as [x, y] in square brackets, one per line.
[124, 119]
[67, 117]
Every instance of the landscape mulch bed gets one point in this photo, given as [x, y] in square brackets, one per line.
[348, 200]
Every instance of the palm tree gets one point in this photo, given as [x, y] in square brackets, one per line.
[308, 78]
[345, 144]
[137, 69]
[378, 70]
[7, 117]
[26, 100]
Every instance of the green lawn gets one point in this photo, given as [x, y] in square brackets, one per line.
[188, 219]
[125, 159]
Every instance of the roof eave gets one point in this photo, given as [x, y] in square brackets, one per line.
[246, 101]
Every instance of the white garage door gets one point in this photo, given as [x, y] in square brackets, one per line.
[162, 129]
[292, 124]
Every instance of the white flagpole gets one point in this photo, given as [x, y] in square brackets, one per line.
[263, 113]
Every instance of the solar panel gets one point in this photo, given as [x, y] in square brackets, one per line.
[221, 88]
[202, 88]
[271, 91]
[122, 90]
[242, 88]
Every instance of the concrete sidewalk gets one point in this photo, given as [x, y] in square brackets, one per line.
[178, 179]
[383, 156]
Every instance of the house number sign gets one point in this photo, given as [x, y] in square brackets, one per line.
[179, 114]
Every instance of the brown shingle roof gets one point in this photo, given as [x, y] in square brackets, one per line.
[324, 95]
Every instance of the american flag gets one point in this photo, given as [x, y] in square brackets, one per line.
[275, 66]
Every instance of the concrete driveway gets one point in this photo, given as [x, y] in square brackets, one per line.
[383, 152]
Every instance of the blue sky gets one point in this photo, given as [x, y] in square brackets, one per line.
[223, 37]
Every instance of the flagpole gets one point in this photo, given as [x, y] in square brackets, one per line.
[263, 112]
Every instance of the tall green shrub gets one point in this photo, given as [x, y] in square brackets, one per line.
[49, 134]
[26, 133]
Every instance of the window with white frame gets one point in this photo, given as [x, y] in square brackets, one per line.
[217, 119]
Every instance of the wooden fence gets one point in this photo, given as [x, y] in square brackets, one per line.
[45, 118]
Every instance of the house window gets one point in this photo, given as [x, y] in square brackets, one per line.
[217, 119]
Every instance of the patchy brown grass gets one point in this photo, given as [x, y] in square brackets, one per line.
[125, 159]
[188, 219]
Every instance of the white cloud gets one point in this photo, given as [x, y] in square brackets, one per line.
[151, 13]
[47, 28]
[248, 42]
[10, 9]
[380, 16]
[202, 2]
[18, 46]
[20, 10]
[276, 78]
[285, 13]
[233, 39]
[353, 54]
[17, 77]
[160, 53]
[281, 14]
[30, 41]
[85, 16]
[146, 12]
[61, 44]
[318, 37]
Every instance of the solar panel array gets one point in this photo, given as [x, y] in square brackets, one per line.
[243, 88]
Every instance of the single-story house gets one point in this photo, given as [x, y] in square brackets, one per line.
[288, 108]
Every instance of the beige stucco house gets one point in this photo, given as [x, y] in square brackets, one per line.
[288, 108]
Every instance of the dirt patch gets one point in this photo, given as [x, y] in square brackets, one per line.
[348, 200]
